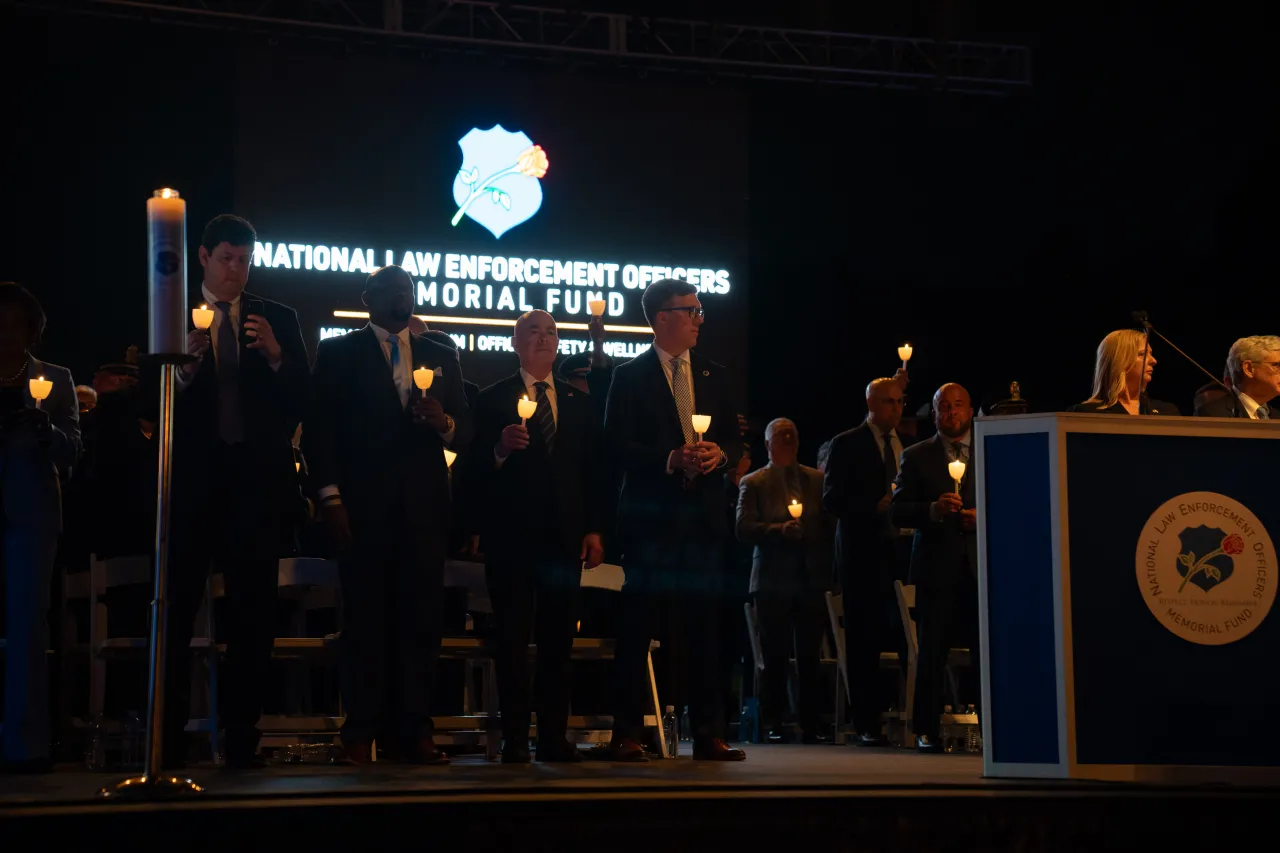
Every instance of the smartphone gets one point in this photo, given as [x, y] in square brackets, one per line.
[248, 308]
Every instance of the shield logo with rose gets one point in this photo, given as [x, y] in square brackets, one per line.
[498, 184]
[1205, 559]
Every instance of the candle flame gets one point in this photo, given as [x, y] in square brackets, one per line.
[167, 193]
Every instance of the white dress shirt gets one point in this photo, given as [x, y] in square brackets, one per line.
[1251, 405]
[184, 378]
[529, 381]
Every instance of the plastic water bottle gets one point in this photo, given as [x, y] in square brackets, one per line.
[671, 731]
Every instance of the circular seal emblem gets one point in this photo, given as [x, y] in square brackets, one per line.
[1207, 568]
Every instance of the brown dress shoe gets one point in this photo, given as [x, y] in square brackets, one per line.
[425, 752]
[356, 753]
[627, 750]
[715, 749]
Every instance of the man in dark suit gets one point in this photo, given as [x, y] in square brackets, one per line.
[871, 552]
[671, 514]
[944, 554]
[379, 444]
[1253, 365]
[541, 490]
[235, 492]
[790, 570]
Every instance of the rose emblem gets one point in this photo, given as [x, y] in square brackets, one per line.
[533, 162]
[1214, 563]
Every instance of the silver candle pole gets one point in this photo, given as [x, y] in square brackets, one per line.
[167, 275]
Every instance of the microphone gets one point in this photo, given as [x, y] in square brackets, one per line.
[1140, 317]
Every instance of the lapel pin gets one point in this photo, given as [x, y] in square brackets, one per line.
[706, 373]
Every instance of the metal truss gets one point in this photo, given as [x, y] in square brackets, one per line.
[578, 37]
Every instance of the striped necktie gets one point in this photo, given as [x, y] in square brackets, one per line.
[684, 402]
[545, 417]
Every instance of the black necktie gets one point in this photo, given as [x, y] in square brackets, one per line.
[545, 417]
[230, 420]
[890, 462]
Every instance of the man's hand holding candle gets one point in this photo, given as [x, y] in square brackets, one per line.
[514, 437]
[428, 411]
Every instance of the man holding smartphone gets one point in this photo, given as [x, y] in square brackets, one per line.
[235, 490]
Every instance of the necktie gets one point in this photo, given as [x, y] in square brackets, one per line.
[230, 419]
[393, 343]
[794, 491]
[890, 462]
[545, 417]
[684, 403]
[1263, 413]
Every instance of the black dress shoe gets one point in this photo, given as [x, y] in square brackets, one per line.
[245, 762]
[515, 754]
[927, 744]
[715, 749]
[775, 736]
[872, 740]
[558, 751]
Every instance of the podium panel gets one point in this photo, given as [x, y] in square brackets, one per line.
[1126, 582]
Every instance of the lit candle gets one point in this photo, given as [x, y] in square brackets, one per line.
[297, 467]
[202, 317]
[423, 377]
[596, 307]
[449, 456]
[40, 389]
[956, 470]
[701, 423]
[904, 353]
[525, 408]
[167, 272]
[796, 508]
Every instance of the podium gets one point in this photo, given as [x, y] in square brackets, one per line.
[1126, 582]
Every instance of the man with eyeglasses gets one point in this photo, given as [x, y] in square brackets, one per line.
[1254, 367]
[671, 515]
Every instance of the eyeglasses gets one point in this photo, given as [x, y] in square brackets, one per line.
[1274, 365]
[695, 312]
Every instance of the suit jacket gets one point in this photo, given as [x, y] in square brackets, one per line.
[31, 474]
[853, 488]
[553, 499]
[1224, 407]
[941, 549]
[1148, 406]
[641, 429]
[359, 438]
[272, 403]
[779, 564]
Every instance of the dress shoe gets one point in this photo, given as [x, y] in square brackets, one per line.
[872, 740]
[425, 752]
[628, 751]
[775, 736]
[515, 753]
[245, 762]
[927, 744]
[715, 749]
[356, 753]
[558, 751]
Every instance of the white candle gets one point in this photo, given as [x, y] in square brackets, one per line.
[796, 508]
[167, 272]
[202, 317]
[904, 353]
[596, 307]
[423, 377]
[701, 423]
[40, 388]
[449, 456]
[525, 408]
[956, 470]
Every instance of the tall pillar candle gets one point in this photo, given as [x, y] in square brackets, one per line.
[167, 272]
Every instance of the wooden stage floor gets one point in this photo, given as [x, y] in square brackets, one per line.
[782, 799]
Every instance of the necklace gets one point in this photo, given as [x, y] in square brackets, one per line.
[21, 370]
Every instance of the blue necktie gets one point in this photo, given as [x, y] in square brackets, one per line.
[230, 418]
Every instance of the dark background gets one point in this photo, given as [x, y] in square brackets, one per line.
[1001, 236]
